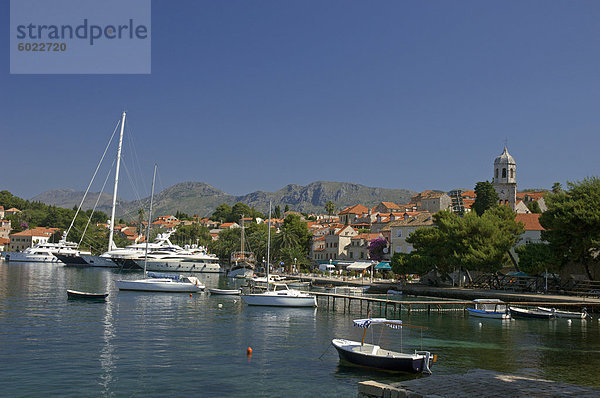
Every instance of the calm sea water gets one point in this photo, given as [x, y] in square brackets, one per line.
[161, 344]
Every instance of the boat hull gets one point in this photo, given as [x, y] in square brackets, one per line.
[229, 292]
[280, 301]
[524, 313]
[240, 273]
[158, 285]
[74, 294]
[97, 261]
[565, 314]
[488, 314]
[180, 266]
[71, 259]
[362, 355]
[29, 258]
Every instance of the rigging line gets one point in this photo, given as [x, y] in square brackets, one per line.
[137, 160]
[131, 180]
[96, 204]
[95, 172]
[90, 242]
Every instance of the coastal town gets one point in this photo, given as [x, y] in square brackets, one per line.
[384, 199]
[338, 239]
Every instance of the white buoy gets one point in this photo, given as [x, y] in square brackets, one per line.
[480, 324]
[220, 305]
[569, 321]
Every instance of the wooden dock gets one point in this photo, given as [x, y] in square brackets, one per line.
[385, 305]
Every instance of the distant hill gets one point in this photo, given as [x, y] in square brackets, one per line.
[202, 199]
[68, 198]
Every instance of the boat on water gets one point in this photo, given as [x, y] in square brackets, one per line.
[243, 261]
[43, 252]
[74, 294]
[125, 257]
[281, 295]
[373, 356]
[225, 292]
[490, 308]
[160, 282]
[163, 283]
[393, 292]
[195, 259]
[566, 314]
[518, 312]
[299, 284]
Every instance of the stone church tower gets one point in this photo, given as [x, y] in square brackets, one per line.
[505, 179]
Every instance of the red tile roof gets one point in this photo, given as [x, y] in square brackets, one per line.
[530, 220]
[356, 209]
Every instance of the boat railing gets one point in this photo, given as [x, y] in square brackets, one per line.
[427, 362]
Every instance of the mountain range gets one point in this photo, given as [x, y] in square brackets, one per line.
[202, 199]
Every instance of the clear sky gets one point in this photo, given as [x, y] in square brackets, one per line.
[253, 95]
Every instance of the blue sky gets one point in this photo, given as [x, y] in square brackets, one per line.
[254, 95]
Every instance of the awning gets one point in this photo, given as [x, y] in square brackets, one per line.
[358, 266]
[383, 266]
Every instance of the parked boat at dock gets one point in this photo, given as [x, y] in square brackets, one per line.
[184, 260]
[281, 295]
[490, 308]
[373, 356]
[566, 314]
[518, 312]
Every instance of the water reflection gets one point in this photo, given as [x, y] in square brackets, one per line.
[139, 343]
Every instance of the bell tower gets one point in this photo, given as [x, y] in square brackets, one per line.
[505, 179]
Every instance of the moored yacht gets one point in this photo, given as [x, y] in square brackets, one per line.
[43, 252]
[184, 260]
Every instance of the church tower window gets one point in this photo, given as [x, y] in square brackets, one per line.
[504, 173]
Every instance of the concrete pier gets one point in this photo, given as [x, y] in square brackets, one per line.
[474, 383]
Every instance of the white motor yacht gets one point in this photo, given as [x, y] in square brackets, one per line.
[43, 252]
[194, 259]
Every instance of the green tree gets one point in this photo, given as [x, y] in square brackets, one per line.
[222, 213]
[194, 234]
[277, 212]
[294, 237]
[487, 197]
[572, 224]
[228, 242]
[536, 258]
[330, 207]
[556, 187]
[470, 242]
[534, 207]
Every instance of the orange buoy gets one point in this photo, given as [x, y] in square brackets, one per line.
[249, 351]
[190, 294]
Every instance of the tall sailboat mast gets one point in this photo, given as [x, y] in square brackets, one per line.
[268, 244]
[111, 244]
[243, 253]
[149, 220]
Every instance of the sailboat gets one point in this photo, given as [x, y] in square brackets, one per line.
[281, 295]
[160, 282]
[243, 261]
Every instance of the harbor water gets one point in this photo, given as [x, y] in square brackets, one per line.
[163, 344]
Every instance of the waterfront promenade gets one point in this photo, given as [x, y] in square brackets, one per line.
[458, 293]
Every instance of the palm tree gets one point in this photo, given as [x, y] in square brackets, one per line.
[330, 207]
